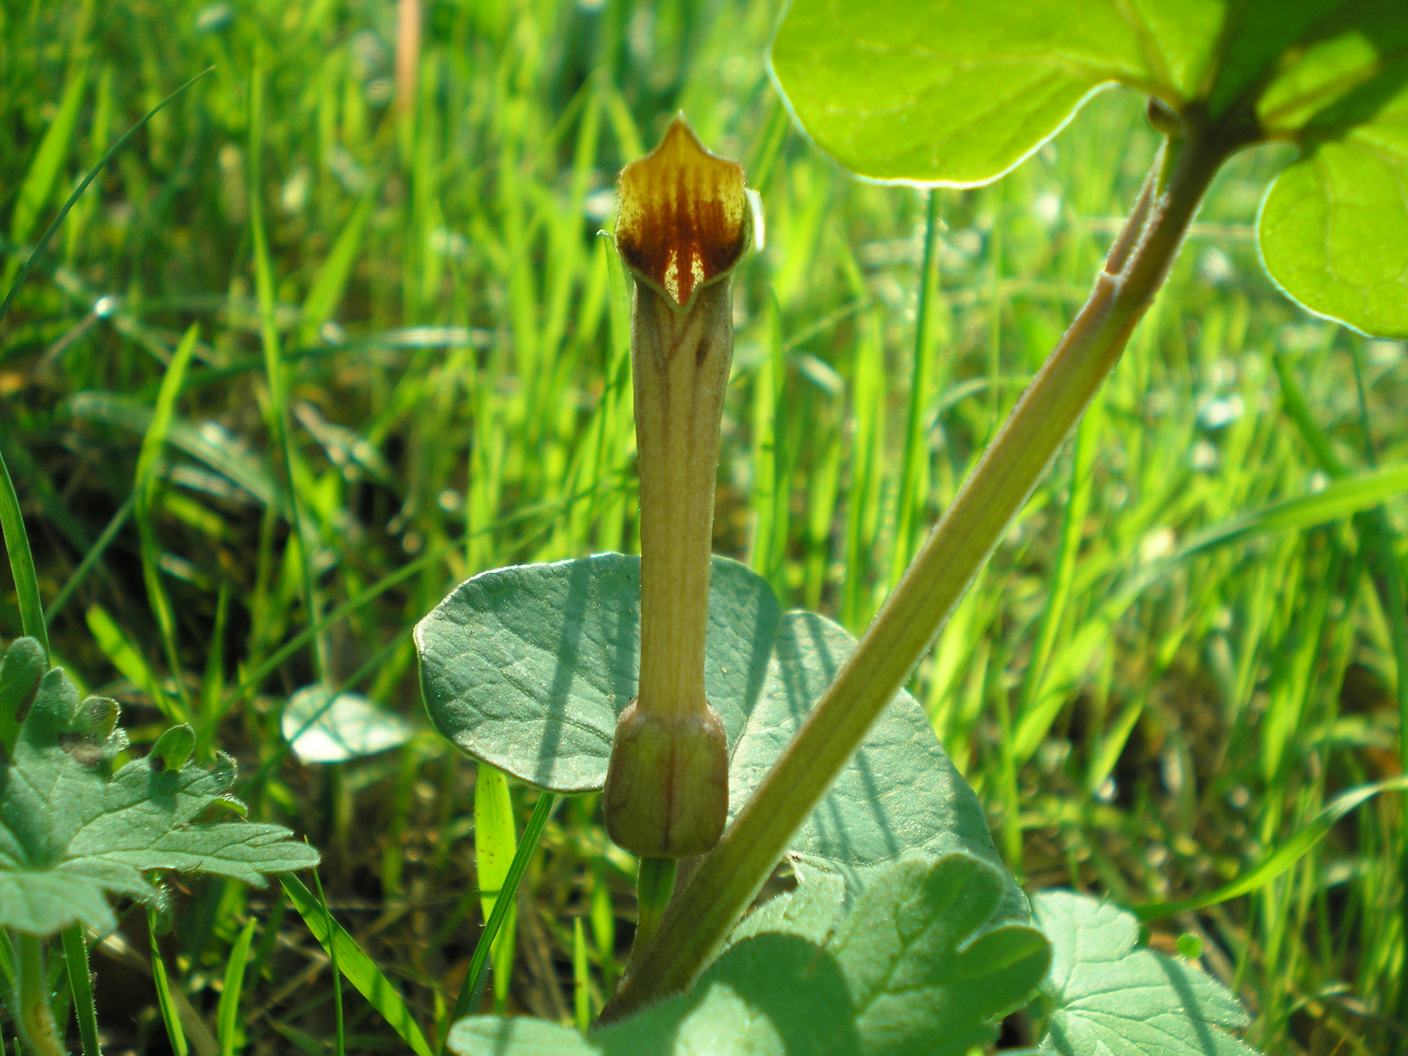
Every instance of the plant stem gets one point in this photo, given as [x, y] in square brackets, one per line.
[730, 876]
[80, 984]
[682, 226]
[31, 1001]
[655, 883]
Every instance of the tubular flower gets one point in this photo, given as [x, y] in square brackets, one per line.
[683, 225]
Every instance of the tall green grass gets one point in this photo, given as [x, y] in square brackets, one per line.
[405, 361]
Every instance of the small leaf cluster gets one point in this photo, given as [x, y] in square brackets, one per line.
[79, 827]
[919, 964]
[958, 92]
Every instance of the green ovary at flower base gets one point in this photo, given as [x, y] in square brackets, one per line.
[683, 226]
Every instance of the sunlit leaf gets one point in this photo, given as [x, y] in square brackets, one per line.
[325, 726]
[1104, 996]
[957, 92]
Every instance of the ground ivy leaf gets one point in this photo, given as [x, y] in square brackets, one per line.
[324, 726]
[811, 911]
[73, 833]
[1107, 997]
[527, 668]
[957, 92]
[916, 967]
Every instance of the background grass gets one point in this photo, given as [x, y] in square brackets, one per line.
[407, 362]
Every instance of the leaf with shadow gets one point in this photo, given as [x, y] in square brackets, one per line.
[918, 966]
[527, 668]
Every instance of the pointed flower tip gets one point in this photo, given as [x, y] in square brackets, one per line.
[684, 218]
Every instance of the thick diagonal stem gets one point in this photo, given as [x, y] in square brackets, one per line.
[729, 877]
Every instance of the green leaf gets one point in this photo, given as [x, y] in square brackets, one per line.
[73, 832]
[528, 667]
[811, 911]
[957, 92]
[953, 92]
[1106, 997]
[322, 725]
[495, 843]
[915, 967]
[21, 668]
[44, 172]
[1334, 227]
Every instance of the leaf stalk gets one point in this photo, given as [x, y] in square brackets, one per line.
[33, 1015]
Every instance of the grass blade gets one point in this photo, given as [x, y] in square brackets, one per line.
[331, 279]
[165, 999]
[274, 368]
[339, 1023]
[145, 491]
[1279, 860]
[39, 181]
[581, 989]
[53, 227]
[474, 978]
[7, 961]
[1334, 502]
[356, 967]
[227, 1022]
[494, 846]
[21, 560]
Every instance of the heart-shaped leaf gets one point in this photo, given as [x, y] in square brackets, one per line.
[527, 668]
[915, 967]
[957, 92]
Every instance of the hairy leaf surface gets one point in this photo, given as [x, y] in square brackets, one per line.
[73, 833]
[1105, 996]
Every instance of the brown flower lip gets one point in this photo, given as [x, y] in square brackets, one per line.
[683, 220]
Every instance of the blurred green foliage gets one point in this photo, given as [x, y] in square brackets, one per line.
[441, 335]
